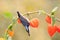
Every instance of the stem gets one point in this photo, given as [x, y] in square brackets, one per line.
[57, 19]
[10, 27]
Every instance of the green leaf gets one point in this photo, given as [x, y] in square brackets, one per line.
[13, 22]
[8, 15]
[52, 15]
[54, 10]
[53, 20]
[10, 26]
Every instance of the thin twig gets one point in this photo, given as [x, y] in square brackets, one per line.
[28, 13]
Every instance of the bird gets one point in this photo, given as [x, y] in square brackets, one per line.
[24, 21]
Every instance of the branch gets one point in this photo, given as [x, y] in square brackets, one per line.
[41, 11]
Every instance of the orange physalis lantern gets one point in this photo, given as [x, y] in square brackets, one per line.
[48, 19]
[34, 23]
[18, 20]
[10, 33]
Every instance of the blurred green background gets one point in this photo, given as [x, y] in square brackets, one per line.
[25, 6]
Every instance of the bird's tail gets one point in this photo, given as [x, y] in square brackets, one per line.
[28, 32]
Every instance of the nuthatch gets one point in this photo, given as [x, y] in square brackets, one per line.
[25, 22]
